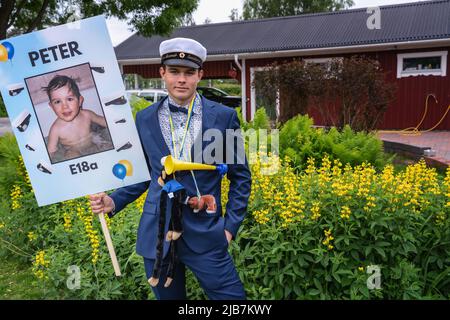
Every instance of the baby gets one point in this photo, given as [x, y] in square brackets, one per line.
[72, 128]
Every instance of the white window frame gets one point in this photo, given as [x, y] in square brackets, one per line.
[253, 93]
[434, 72]
[322, 60]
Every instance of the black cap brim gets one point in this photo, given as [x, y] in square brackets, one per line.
[181, 63]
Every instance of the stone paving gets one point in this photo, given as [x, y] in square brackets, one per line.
[436, 140]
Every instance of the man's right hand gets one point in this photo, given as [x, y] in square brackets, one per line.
[101, 202]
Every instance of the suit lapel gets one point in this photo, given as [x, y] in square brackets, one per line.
[155, 129]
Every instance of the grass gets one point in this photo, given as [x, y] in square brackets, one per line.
[17, 282]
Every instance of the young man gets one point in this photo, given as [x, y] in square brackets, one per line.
[170, 127]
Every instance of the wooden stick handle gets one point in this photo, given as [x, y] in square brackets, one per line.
[109, 244]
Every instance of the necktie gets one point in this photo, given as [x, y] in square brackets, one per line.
[177, 109]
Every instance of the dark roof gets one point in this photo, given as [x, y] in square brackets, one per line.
[415, 21]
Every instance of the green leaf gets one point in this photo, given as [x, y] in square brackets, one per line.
[382, 244]
[381, 252]
[336, 276]
[313, 292]
[287, 291]
[318, 285]
[298, 291]
[354, 254]
[280, 278]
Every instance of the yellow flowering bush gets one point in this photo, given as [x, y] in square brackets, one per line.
[447, 188]
[40, 264]
[309, 235]
[328, 239]
[53, 238]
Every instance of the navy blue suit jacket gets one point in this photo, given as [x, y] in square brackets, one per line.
[201, 231]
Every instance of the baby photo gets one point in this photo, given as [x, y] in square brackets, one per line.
[69, 113]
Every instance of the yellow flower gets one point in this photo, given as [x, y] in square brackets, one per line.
[67, 222]
[328, 239]
[40, 263]
[16, 194]
[140, 201]
[310, 169]
[345, 212]
[440, 218]
[31, 236]
[261, 216]
[87, 217]
[23, 172]
[447, 186]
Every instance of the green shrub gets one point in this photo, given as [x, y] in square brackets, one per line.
[3, 112]
[230, 88]
[251, 130]
[9, 165]
[137, 104]
[300, 141]
[350, 91]
[260, 120]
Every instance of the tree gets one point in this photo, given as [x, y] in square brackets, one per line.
[291, 81]
[234, 15]
[257, 9]
[350, 91]
[148, 17]
[188, 21]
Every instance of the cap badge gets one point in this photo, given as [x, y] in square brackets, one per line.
[182, 55]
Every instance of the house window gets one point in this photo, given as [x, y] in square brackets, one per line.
[322, 61]
[325, 63]
[259, 99]
[422, 64]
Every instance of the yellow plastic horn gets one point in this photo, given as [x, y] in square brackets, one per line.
[171, 165]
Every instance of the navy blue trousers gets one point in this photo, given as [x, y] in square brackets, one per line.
[215, 271]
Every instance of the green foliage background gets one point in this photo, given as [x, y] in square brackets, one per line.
[2, 109]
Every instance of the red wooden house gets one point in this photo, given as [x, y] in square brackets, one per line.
[411, 43]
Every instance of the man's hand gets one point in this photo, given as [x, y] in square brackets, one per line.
[229, 236]
[101, 202]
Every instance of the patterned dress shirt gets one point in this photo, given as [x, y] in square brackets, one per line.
[179, 122]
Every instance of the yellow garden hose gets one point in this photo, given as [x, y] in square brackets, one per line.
[414, 131]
